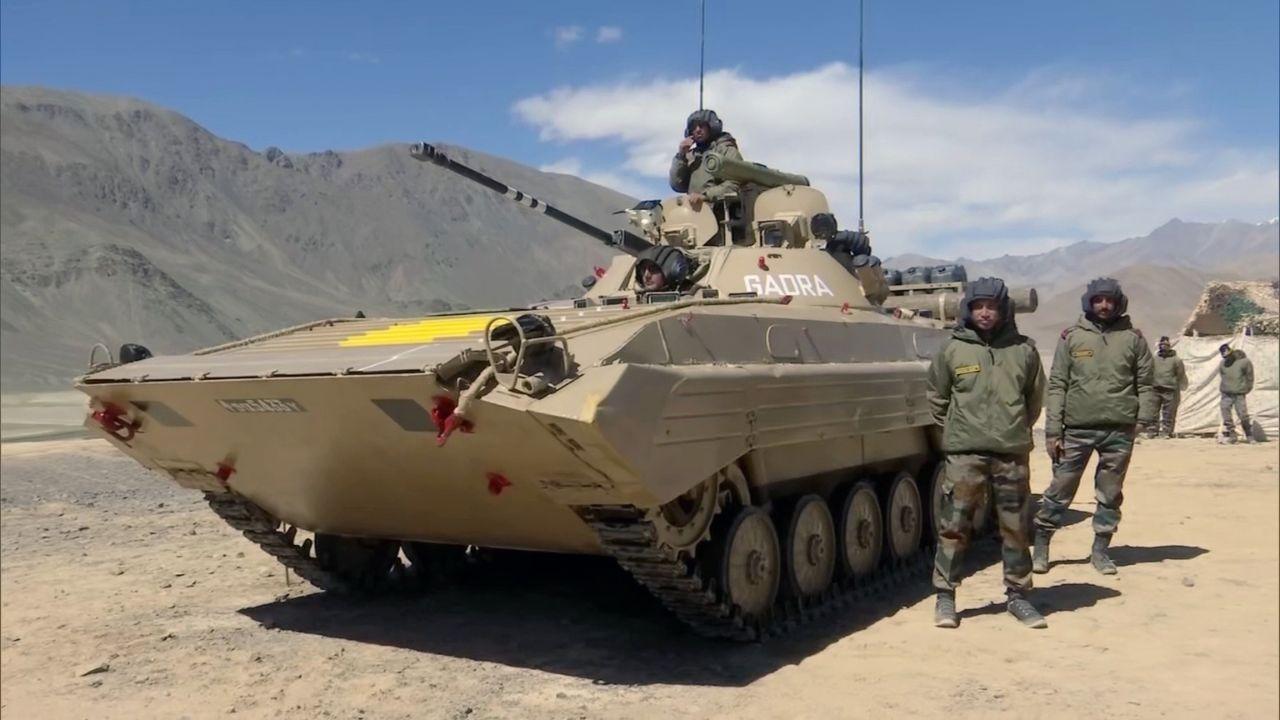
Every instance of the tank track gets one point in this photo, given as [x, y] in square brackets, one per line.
[263, 530]
[684, 587]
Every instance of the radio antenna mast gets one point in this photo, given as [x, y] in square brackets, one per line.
[702, 52]
[861, 24]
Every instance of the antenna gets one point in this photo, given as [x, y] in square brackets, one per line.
[702, 52]
[861, 23]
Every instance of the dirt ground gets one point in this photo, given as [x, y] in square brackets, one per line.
[104, 567]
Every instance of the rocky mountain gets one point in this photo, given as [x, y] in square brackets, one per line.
[1162, 273]
[123, 221]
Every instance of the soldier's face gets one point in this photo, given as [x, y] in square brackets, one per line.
[1104, 307]
[701, 133]
[985, 314]
[653, 279]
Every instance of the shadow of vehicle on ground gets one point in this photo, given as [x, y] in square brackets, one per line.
[575, 615]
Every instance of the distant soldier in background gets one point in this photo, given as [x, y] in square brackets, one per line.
[1236, 381]
[1100, 390]
[1170, 379]
[985, 390]
[703, 133]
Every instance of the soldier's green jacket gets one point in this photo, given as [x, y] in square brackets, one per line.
[1169, 372]
[986, 395]
[1101, 378]
[1237, 374]
[688, 174]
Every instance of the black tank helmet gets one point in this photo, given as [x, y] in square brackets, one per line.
[987, 288]
[674, 265]
[1105, 287]
[708, 117]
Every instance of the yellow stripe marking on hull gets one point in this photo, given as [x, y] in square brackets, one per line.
[422, 331]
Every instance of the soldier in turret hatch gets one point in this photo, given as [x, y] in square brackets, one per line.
[704, 133]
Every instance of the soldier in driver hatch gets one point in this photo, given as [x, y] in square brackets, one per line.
[985, 390]
[704, 133]
[1100, 390]
[1170, 379]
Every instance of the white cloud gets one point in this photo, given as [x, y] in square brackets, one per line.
[608, 34]
[566, 36]
[1030, 166]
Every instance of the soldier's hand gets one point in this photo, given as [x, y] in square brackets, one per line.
[1053, 446]
[685, 145]
[696, 200]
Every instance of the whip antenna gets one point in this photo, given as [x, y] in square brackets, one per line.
[861, 227]
[702, 52]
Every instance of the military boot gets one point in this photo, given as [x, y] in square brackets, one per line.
[1025, 612]
[944, 611]
[1101, 560]
[1040, 552]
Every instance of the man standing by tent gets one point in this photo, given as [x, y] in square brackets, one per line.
[1236, 373]
[1170, 380]
[1100, 390]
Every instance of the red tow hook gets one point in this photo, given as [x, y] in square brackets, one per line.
[442, 414]
[599, 271]
[224, 472]
[497, 483]
[844, 309]
[762, 264]
[113, 420]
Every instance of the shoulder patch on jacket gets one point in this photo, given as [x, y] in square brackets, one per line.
[1137, 332]
[1065, 333]
[968, 370]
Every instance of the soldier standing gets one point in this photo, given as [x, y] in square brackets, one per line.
[1170, 379]
[1236, 381]
[704, 133]
[985, 389]
[1100, 390]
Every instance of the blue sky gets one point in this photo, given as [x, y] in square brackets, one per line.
[1175, 102]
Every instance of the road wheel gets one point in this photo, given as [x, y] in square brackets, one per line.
[904, 513]
[861, 531]
[810, 548]
[750, 566]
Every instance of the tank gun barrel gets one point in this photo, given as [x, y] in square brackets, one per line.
[738, 171]
[947, 304]
[626, 241]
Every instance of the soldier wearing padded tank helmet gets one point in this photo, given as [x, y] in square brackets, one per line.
[1101, 388]
[703, 133]
[985, 389]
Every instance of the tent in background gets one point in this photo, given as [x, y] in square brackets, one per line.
[1246, 316]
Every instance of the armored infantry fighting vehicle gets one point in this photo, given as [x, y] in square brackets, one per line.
[734, 411]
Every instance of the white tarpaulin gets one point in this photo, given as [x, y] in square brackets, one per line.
[1199, 413]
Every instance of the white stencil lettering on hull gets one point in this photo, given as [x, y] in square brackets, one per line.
[787, 284]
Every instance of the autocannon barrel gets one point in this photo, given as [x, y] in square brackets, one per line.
[947, 304]
[626, 241]
[722, 168]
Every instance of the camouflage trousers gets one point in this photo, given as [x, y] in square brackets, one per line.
[965, 480]
[1114, 447]
[1167, 400]
[1228, 402]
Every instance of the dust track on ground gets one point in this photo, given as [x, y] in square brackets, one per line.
[107, 565]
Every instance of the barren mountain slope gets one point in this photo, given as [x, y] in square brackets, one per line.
[123, 221]
[1226, 249]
